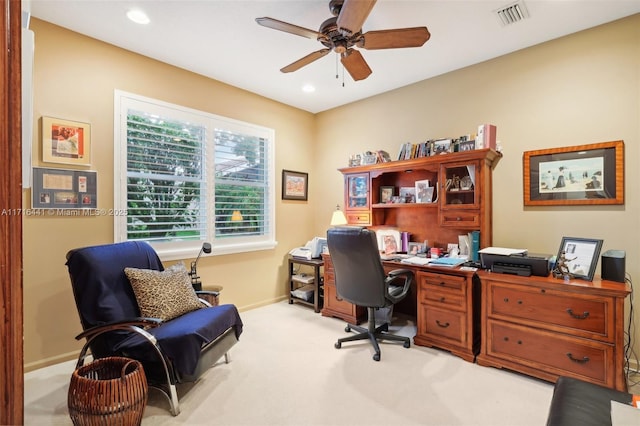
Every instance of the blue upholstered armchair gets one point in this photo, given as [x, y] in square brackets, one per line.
[130, 306]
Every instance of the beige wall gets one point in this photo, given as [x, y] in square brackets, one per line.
[75, 79]
[580, 89]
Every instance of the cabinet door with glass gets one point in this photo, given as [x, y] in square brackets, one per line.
[460, 194]
[357, 202]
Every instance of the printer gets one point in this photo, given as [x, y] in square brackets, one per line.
[515, 261]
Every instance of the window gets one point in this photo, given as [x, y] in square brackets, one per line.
[184, 176]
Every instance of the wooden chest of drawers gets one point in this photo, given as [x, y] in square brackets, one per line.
[447, 302]
[547, 328]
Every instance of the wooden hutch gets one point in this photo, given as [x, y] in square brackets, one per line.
[462, 202]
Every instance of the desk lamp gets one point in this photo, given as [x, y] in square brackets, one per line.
[195, 279]
[338, 218]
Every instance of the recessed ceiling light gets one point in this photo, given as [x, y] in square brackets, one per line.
[308, 88]
[138, 16]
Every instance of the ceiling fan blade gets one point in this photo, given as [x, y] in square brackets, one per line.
[355, 64]
[353, 14]
[306, 60]
[288, 28]
[392, 39]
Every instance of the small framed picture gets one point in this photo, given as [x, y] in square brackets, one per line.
[388, 241]
[416, 248]
[424, 192]
[442, 146]
[466, 146]
[580, 256]
[66, 142]
[408, 194]
[294, 185]
[386, 194]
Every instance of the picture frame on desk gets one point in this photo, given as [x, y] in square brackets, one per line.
[581, 256]
[578, 175]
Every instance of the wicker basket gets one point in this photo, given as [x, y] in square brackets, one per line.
[108, 391]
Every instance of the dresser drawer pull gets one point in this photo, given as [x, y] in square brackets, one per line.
[442, 299]
[584, 315]
[584, 359]
[443, 325]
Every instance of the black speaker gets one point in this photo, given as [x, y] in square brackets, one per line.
[613, 265]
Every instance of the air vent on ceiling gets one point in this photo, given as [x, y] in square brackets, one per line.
[512, 13]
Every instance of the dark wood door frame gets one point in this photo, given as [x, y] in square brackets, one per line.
[11, 321]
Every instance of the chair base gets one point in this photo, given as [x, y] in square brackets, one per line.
[373, 334]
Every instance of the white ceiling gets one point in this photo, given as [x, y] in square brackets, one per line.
[220, 38]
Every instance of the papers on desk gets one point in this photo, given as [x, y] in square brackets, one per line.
[447, 261]
[415, 260]
[503, 251]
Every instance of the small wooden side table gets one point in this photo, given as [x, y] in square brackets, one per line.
[214, 300]
[316, 264]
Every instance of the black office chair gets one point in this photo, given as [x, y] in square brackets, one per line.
[361, 280]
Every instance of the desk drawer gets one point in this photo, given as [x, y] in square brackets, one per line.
[442, 324]
[435, 295]
[552, 352]
[359, 218]
[459, 218]
[451, 282]
[575, 314]
[337, 305]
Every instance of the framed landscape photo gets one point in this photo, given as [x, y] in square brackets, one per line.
[581, 256]
[295, 185]
[576, 175]
[66, 142]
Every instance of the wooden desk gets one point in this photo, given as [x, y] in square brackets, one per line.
[445, 302]
[546, 327]
[316, 264]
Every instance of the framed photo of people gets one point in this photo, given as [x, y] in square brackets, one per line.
[576, 175]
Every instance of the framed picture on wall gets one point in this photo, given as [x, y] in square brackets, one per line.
[66, 142]
[295, 185]
[576, 175]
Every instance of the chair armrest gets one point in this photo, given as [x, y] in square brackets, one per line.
[405, 275]
[119, 325]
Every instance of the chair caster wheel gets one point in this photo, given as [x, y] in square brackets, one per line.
[407, 344]
[337, 345]
[376, 357]
[347, 329]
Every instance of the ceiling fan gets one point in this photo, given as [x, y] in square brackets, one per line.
[343, 32]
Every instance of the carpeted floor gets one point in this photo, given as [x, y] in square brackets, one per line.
[286, 371]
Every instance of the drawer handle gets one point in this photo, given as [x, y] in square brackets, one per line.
[442, 299]
[443, 325]
[442, 283]
[584, 359]
[584, 315]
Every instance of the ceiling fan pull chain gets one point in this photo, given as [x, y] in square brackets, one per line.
[337, 69]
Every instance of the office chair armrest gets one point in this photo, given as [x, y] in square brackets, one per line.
[207, 293]
[89, 333]
[406, 276]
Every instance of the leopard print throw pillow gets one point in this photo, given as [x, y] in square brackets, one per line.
[164, 295]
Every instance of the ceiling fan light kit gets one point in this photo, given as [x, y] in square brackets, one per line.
[342, 33]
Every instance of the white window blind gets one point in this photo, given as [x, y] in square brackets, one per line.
[186, 176]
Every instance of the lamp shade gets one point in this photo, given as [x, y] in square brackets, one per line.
[338, 218]
[236, 216]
